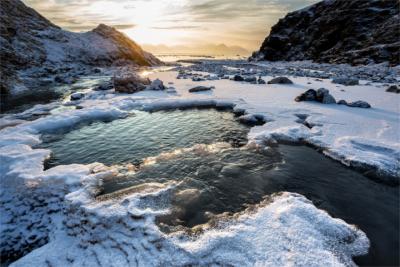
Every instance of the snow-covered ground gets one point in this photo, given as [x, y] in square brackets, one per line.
[57, 209]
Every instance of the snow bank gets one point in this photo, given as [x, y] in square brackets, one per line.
[122, 232]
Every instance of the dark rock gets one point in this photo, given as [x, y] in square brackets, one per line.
[261, 81]
[250, 79]
[238, 78]
[342, 102]
[359, 104]
[130, 83]
[345, 81]
[197, 79]
[200, 89]
[280, 80]
[393, 89]
[321, 95]
[97, 70]
[104, 86]
[336, 31]
[76, 96]
[309, 95]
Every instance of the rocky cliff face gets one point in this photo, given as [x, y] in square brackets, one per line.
[28, 41]
[337, 31]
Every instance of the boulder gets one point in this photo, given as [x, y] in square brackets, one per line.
[156, 85]
[104, 86]
[328, 99]
[345, 81]
[280, 80]
[324, 97]
[393, 89]
[130, 83]
[261, 81]
[238, 78]
[250, 79]
[309, 95]
[321, 95]
[200, 88]
[76, 96]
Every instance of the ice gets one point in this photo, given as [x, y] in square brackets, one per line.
[285, 230]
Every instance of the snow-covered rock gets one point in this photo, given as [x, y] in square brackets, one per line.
[156, 85]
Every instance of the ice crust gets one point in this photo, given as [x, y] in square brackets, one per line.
[54, 217]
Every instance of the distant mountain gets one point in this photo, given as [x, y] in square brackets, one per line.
[209, 49]
[337, 31]
[28, 40]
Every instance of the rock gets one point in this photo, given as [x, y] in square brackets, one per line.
[336, 31]
[97, 70]
[359, 104]
[130, 83]
[156, 85]
[321, 95]
[104, 86]
[200, 89]
[261, 81]
[250, 79]
[239, 111]
[324, 97]
[238, 78]
[321, 92]
[328, 99]
[342, 102]
[345, 81]
[393, 89]
[280, 80]
[197, 79]
[309, 95]
[76, 96]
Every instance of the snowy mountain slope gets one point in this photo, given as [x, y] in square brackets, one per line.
[28, 40]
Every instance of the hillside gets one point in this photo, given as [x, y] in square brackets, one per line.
[28, 40]
[337, 31]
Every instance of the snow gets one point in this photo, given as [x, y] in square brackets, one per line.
[56, 218]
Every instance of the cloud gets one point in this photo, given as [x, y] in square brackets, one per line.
[234, 22]
[177, 27]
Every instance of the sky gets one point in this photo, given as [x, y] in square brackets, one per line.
[243, 23]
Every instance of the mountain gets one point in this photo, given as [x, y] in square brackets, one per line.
[337, 31]
[28, 40]
[208, 49]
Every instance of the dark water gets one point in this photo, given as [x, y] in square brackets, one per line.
[45, 94]
[216, 179]
[142, 135]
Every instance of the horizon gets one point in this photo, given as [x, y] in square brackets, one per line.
[181, 23]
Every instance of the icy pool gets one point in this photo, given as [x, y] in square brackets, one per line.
[205, 151]
[142, 135]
